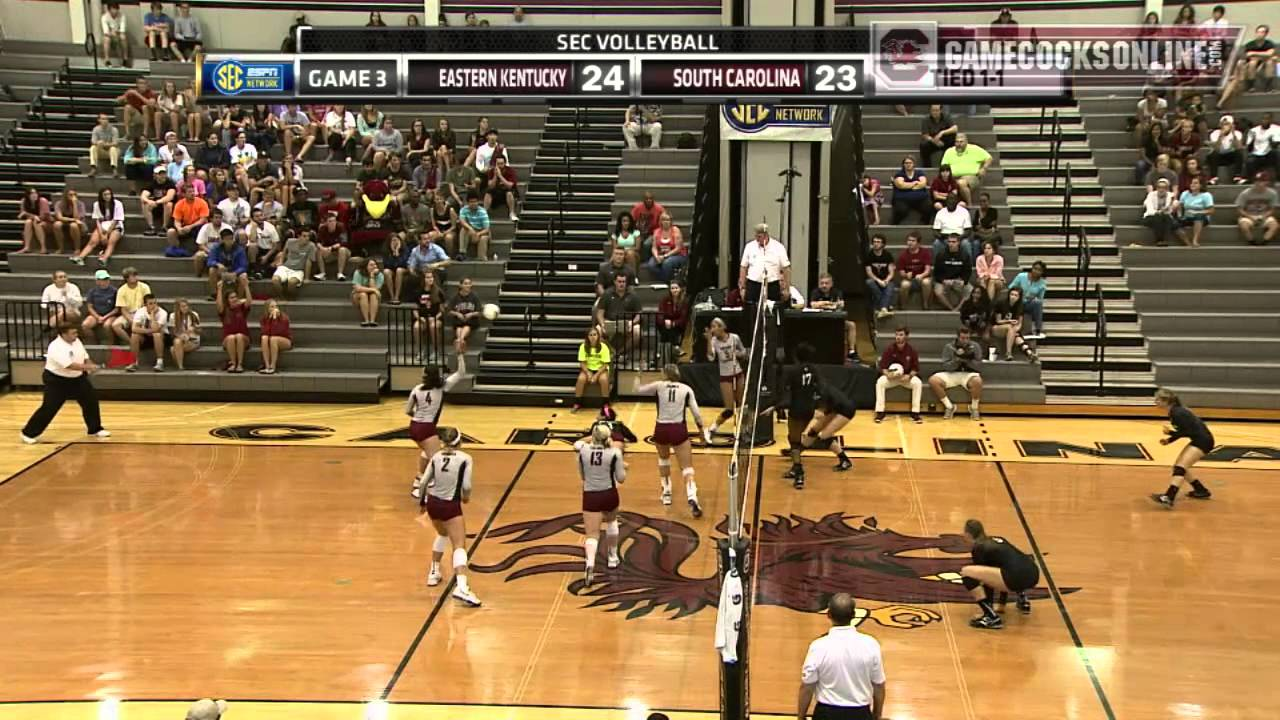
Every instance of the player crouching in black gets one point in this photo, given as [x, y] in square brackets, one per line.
[997, 565]
[835, 410]
[1184, 424]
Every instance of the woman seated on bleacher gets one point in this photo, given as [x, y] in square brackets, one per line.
[140, 160]
[1153, 145]
[911, 192]
[1196, 206]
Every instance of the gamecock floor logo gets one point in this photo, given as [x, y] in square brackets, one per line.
[801, 564]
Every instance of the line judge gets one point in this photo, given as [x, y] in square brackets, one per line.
[764, 263]
[843, 668]
[66, 375]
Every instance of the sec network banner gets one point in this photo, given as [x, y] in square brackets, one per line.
[784, 123]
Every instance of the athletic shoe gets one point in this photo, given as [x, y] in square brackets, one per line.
[666, 497]
[879, 418]
[1199, 494]
[342, 277]
[695, 508]
[1163, 499]
[1024, 604]
[948, 413]
[103, 433]
[843, 466]
[318, 277]
[706, 435]
[515, 217]
[415, 488]
[915, 418]
[613, 561]
[466, 596]
[589, 575]
[974, 414]
[29, 440]
[987, 622]
[712, 430]
[433, 577]
[159, 366]
[131, 367]
[798, 482]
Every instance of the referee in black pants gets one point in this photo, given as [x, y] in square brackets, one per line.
[843, 669]
[66, 376]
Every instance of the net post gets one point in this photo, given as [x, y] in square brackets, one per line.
[735, 690]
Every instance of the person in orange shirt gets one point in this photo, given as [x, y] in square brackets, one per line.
[189, 215]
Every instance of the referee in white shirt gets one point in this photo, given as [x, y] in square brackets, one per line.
[764, 263]
[66, 375]
[843, 669]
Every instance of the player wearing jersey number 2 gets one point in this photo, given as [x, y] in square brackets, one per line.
[446, 486]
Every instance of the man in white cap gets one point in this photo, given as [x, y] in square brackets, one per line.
[206, 709]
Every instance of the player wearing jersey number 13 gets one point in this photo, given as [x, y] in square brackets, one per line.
[601, 467]
[447, 485]
[670, 433]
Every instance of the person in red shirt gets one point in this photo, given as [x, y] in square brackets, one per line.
[501, 186]
[1184, 143]
[233, 310]
[906, 374]
[915, 266]
[941, 187]
[647, 215]
[330, 204]
[139, 103]
[332, 240]
[276, 337]
[673, 320]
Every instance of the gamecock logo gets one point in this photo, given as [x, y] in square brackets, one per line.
[801, 564]
[902, 55]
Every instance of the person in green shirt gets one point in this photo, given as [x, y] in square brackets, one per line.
[366, 292]
[969, 165]
[594, 357]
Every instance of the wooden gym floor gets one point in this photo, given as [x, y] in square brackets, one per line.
[271, 555]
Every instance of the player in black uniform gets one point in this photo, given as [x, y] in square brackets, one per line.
[799, 396]
[1185, 424]
[997, 565]
[835, 411]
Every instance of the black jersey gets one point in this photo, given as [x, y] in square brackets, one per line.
[618, 431]
[832, 400]
[800, 390]
[998, 552]
[1187, 425]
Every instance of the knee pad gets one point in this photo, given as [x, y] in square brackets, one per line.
[726, 414]
[664, 463]
[441, 542]
[811, 433]
[1179, 471]
[821, 443]
[687, 473]
[969, 583]
[459, 557]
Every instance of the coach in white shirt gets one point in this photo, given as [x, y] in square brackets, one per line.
[843, 669]
[66, 375]
[764, 263]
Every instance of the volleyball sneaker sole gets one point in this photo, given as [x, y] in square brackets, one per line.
[466, 596]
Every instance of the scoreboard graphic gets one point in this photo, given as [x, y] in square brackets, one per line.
[883, 63]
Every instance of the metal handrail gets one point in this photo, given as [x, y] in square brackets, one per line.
[551, 246]
[1084, 261]
[37, 105]
[1055, 148]
[91, 49]
[405, 345]
[64, 74]
[1100, 341]
[12, 144]
[528, 333]
[26, 325]
[542, 294]
[1067, 200]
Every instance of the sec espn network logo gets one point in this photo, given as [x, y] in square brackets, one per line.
[233, 77]
[905, 56]
[754, 118]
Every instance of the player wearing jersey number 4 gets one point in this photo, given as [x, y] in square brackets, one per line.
[426, 402]
[670, 433]
[1184, 424]
[447, 485]
[601, 467]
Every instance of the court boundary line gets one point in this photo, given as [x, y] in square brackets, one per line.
[1057, 596]
[447, 592]
[35, 463]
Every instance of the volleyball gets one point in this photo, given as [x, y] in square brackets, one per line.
[895, 370]
[490, 312]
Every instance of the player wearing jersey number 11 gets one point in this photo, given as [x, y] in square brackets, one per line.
[670, 433]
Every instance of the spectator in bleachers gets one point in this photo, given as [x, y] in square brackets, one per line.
[190, 214]
[872, 197]
[217, 188]
[115, 33]
[616, 265]
[190, 177]
[1257, 205]
[290, 43]
[1004, 26]
[263, 127]
[375, 19]
[177, 168]
[484, 156]
[989, 269]
[480, 135]
[262, 242]
[129, 298]
[1196, 206]
[961, 367]
[470, 19]
[301, 214]
[184, 332]
[329, 204]
[149, 330]
[108, 220]
[427, 317]
[1033, 286]
[157, 201]
[170, 148]
[951, 271]
[1226, 148]
[502, 186]
[647, 215]
[171, 105]
[474, 229]
[69, 218]
[1192, 108]
[188, 36]
[104, 139]
[209, 155]
[1256, 69]
[1161, 171]
[951, 218]
[140, 160]
[139, 104]
[37, 219]
[1263, 141]
[343, 134]
[445, 142]
[368, 123]
[975, 313]
[826, 296]
[1217, 20]
[235, 211]
[332, 241]
[1159, 212]
[100, 309]
[295, 125]
[293, 264]
[366, 291]
[258, 177]
[426, 176]
[464, 312]
[911, 192]
[968, 163]
[519, 17]
[233, 311]
[387, 139]
[462, 179]
[642, 120]
[907, 374]
[937, 134]
[417, 143]
[594, 359]
[1153, 147]
[880, 269]
[231, 119]
[986, 222]
[396, 266]
[242, 155]
[1184, 144]
[206, 238]
[1150, 108]
[669, 254]
[228, 264]
[445, 223]
[625, 237]
[157, 27]
[618, 315]
[273, 210]
[399, 178]
[942, 187]
[415, 216]
[427, 258]
[62, 300]
[673, 320]
[1008, 314]
[1191, 169]
[197, 116]
[915, 268]
[276, 336]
